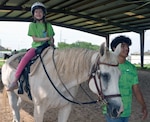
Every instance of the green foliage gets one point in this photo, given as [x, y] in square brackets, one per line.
[1, 62]
[146, 66]
[63, 45]
[22, 50]
[86, 45]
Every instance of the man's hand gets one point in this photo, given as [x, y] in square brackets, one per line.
[145, 113]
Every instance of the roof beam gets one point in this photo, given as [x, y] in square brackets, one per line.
[80, 28]
[19, 8]
[94, 19]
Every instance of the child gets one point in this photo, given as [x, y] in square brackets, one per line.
[40, 31]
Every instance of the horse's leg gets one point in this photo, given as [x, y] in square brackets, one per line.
[39, 111]
[38, 114]
[64, 112]
[13, 100]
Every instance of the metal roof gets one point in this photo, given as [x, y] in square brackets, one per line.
[100, 17]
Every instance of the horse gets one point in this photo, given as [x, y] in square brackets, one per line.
[66, 68]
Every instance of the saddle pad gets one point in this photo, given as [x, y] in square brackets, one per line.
[15, 59]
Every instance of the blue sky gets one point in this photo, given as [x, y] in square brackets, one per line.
[13, 35]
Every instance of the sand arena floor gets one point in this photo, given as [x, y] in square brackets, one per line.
[86, 113]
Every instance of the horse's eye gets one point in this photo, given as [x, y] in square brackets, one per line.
[105, 76]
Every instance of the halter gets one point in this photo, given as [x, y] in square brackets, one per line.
[96, 69]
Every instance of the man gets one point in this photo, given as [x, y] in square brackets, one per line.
[128, 82]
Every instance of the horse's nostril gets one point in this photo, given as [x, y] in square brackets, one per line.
[113, 109]
[115, 112]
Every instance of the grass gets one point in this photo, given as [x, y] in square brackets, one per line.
[1, 62]
[146, 66]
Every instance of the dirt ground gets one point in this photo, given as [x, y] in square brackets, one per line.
[80, 113]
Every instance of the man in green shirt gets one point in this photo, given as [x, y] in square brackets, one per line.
[128, 82]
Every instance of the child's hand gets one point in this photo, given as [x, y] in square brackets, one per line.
[48, 39]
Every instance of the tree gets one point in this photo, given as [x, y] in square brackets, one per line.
[78, 44]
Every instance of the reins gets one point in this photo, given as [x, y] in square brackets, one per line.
[60, 78]
[92, 102]
[101, 96]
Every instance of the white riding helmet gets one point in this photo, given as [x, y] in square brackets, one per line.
[37, 5]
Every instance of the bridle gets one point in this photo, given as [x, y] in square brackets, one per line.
[96, 71]
[101, 97]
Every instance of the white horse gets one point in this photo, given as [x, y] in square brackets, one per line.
[72, 67]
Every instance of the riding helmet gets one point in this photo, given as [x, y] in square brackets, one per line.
[38, 5]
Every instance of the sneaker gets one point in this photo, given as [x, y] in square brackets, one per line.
[13, 85]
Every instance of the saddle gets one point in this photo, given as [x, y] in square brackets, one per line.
[29, 68]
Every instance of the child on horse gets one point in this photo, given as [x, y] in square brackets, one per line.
[41, 32]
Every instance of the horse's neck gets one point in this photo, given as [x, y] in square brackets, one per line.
[94, 58]
[87, 75]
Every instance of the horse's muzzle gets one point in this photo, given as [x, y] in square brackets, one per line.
[113, 109]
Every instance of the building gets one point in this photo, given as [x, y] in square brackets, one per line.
[135, 58]
[4, 51]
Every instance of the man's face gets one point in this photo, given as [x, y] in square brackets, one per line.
[124, 50]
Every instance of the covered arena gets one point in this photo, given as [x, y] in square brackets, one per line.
[99, 17]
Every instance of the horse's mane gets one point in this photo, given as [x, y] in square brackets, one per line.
[73, 62]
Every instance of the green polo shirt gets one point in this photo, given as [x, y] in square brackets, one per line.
[38, 30]
[128, 78]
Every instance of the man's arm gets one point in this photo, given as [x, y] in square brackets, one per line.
[138, 94]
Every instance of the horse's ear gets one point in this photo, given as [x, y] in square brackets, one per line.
[103, 49]
[118, 49]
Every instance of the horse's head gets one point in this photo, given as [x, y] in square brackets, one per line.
[104, 79]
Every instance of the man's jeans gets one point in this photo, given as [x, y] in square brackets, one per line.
[120, 119]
